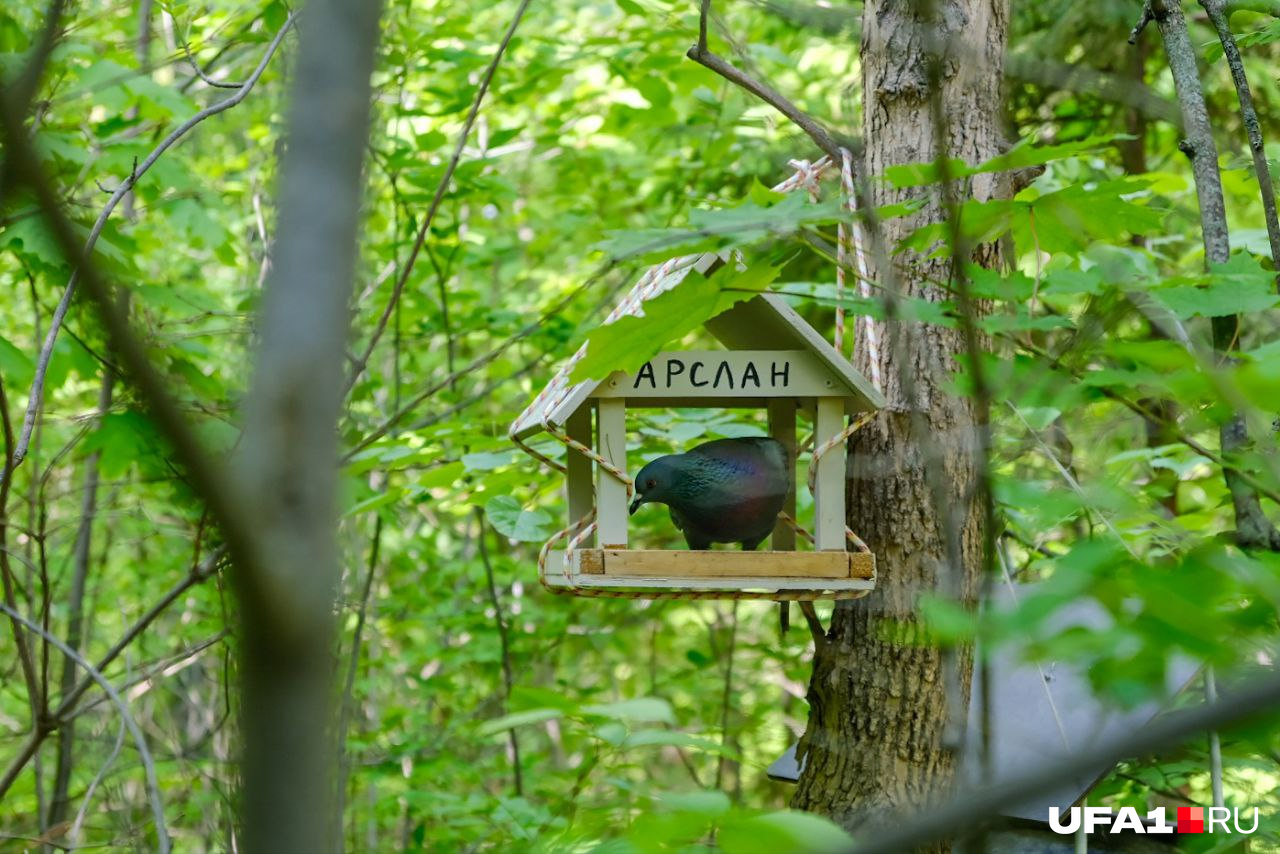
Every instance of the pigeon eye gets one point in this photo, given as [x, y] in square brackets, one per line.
[650, 483]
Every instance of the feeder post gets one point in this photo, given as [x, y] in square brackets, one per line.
[580, 495]
[828, 489]
[782, 426]
[611, 493]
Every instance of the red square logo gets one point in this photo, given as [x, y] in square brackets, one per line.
[1191, 819]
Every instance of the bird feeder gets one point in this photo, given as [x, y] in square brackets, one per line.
[773, 360]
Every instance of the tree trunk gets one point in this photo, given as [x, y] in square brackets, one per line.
[286, 472]
[879, 694]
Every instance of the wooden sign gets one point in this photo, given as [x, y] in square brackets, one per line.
[724, 374]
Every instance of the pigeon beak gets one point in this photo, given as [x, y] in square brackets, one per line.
[635, 505]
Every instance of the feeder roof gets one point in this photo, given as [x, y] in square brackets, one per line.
[764, 322]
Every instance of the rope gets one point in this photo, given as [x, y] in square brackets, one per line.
[850, 237]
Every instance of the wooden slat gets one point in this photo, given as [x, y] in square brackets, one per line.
[698, 565]
[828, 498]
[556, 577]
[581, 495]
[611, 493]
[713, 374]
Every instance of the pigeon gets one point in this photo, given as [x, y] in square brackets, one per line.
[725, 491]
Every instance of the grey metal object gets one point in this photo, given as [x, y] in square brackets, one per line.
[1037, 718]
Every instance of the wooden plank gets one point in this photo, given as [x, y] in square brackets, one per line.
[782, 426]
[828, 499]
[711, 374]
[557, 577]
[703, 564]
[694, 564]
[578, 490]
[611, 493]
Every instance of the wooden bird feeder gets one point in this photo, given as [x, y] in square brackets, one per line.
[774, 361]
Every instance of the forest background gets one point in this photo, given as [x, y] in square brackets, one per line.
[525, 163]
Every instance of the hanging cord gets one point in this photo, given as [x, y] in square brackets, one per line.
[850, 239]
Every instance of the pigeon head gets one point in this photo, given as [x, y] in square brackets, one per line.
[659, 481]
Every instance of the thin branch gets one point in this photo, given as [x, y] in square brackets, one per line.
[148, 676]
[821, 137]
[198, 575]
[1249, 115]
[508, 680]
[479, 362]
[148, 764]
[207, 476]
[67, 704]
[23, 89]
[73, 835]
[348, 690]
[483, 394]
[51, 336]
[1253, 528]
[1146, 17]
[441, 188]
[815, 626]
[25, 660]
[83, 553]
[1259, 698]
[1056, 76]
[195, 66]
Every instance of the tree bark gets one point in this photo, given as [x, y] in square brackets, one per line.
[875, 742]
[286, 472]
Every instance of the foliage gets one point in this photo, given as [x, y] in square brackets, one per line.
[640, 726]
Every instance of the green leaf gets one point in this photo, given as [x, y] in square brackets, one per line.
[1019, 157]
[785, 830]
[629, 342]
[643, 709]
[515, 523]
[488, 460]
[125, 439]
[948, 621]
[1066, 220]
[17, 368]
[373, 502]
[750, 220]
[442, 475]
[29, 237]
[672, 738]
[1239, 286]
[724, 228]
[709, 803]
[515, 719]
